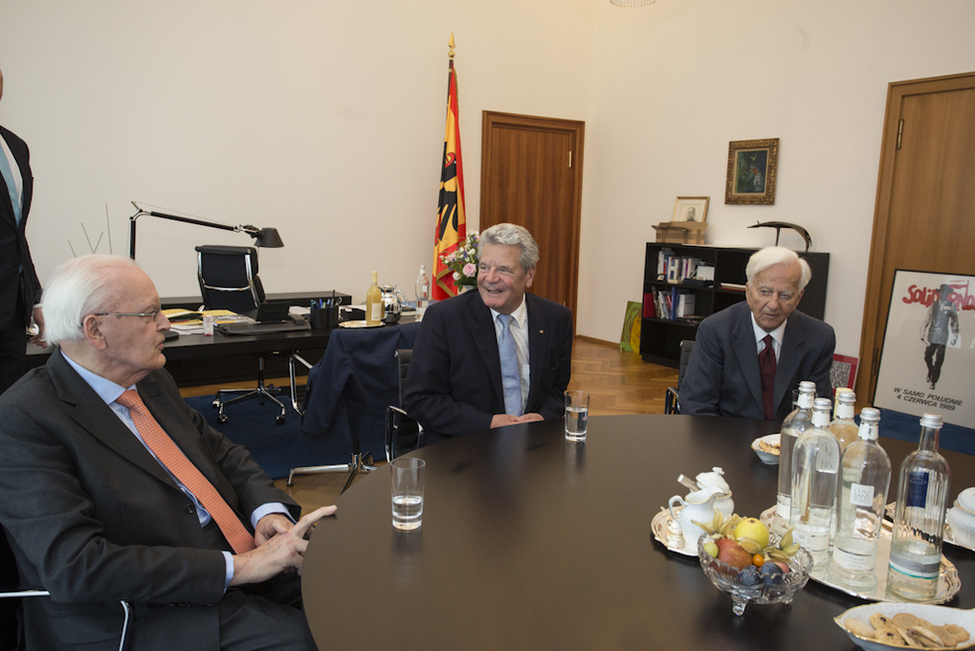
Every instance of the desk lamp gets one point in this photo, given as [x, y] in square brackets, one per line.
[263, 237]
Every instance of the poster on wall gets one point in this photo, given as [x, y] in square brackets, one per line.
[928, 358]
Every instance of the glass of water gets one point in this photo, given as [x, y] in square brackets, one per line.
[576, 415]
[407, 492]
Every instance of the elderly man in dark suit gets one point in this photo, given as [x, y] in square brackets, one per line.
[19, 287]
[748, 358]
[112, 488]
[494, 357]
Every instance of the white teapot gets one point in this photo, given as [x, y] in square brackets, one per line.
[714, 493]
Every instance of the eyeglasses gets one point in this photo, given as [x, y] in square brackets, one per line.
[118, 315]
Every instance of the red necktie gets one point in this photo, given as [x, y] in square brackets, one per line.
[189, 475]
[766, 366]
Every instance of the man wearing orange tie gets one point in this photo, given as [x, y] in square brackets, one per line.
[112, 488]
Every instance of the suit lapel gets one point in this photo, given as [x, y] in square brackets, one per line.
[86, 408]
[5, 203]
[539, 332]
[747, 353]
[789, 358]
[486, 340]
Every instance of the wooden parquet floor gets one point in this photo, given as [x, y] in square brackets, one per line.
[618, 383]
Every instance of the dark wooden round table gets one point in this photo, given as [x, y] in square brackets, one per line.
[531, 542]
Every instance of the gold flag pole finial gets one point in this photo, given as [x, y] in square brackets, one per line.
[451, 46]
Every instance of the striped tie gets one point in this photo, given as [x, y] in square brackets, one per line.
[189, 475]
[510, 374]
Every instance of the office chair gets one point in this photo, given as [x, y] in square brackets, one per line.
[12, 632]
[403, 434]
[357, 464]
[672, 397]
[229, 281]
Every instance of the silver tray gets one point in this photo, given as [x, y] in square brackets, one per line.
[948, 537]
[667, 532]
[949, 582]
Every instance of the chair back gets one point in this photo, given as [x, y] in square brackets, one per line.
[686, 346]
[403, 434]
[228, 278]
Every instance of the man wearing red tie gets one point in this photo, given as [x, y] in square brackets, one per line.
[748, 358]
[112, 488]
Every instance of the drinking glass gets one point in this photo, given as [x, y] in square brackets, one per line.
[576, 415]
[407, 492]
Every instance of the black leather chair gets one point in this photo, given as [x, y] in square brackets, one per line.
[229, 281]
[672, 398]
[403, 434]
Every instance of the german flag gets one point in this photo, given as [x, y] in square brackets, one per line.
[451, 218]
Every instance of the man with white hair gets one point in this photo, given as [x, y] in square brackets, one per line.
[112, 488]
[748, 358]
[497, 356]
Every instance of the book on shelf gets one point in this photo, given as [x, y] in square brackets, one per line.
[738, 287]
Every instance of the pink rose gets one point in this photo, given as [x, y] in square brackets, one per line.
[470, 269]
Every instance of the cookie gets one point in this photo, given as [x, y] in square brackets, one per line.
[859, 628]
[907, 620]
[879, 621]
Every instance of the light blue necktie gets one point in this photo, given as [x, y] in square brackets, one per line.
[8, 177]
[510, 373]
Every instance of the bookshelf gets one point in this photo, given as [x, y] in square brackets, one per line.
[667, 286]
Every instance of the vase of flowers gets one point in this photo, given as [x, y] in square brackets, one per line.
[463, 262]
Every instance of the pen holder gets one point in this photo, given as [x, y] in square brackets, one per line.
[324, 318]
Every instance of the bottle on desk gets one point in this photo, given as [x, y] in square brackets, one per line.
[794, 424]
[860, 507]
[919, 519]
[422, 293]
[815, 464]
[843, 427]
[374, 302]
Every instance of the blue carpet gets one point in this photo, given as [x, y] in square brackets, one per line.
[279, 448]
[906, 427]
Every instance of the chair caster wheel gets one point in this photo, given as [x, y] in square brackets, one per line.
[222, 418]
[279, 420]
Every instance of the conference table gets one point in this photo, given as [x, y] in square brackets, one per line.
[532, 542]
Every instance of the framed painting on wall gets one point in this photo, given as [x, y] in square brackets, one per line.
[752, 168]
[928, 356]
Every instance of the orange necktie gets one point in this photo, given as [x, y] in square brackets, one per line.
[189, 475]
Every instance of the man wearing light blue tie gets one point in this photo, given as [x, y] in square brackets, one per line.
[494, 357]
[19, 288]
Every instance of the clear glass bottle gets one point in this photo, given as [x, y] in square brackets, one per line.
[794, 424]
[919, 519]
[375, 311]
[422, 293]
[843, 427]
[815, 466]
[861, 503]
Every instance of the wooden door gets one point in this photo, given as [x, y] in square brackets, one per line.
[531, 175]
[925, 214]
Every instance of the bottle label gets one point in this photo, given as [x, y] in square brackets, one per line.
[861, 495]
[377, 311]
[852, 561]
[917, 488]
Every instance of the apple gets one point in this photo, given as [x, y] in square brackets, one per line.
[754, 529]
[731, 552]
[785, 567]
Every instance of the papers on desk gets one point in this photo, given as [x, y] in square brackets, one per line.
[188, 322]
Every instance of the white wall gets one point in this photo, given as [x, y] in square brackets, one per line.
[322, 119]
[674, 82]
[325, 120]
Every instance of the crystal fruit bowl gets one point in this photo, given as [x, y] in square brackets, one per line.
[753, 586]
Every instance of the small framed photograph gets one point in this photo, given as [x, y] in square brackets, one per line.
[691, 209]
[751, 171]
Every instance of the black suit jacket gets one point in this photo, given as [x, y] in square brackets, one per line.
[14, 252]
[723, 379]
[93, 518]
[454, 382]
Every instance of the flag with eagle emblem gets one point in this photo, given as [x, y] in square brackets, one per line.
[451, 218]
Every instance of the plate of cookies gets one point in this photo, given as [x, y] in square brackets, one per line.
[884, 626]
[767, 448]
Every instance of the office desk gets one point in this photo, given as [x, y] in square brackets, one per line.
[198, 359]
[530, 542]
